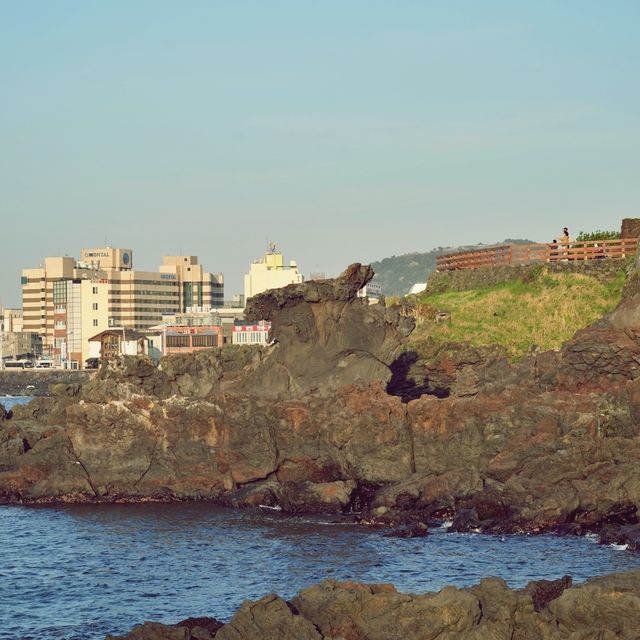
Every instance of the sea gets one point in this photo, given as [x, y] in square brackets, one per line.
[77, 572]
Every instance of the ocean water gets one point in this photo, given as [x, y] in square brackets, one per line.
[10, 401]
[78, 572]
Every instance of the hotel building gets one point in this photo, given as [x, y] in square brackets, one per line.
[270, 272]
[67, 301]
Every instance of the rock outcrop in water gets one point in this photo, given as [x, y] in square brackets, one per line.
[317, 422]
[607, 608]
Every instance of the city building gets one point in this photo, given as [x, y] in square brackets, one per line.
[14, 342]
[114, 342]
[372, 290]
[67, 301]
[11, 320]
[251, 333]
[20, 344]
[270, 272]
[180, 339]
[224, 317]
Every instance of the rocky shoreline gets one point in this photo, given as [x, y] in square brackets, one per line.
[336, 416]
[606, 607]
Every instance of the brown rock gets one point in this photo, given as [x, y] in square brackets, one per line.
[270, 618]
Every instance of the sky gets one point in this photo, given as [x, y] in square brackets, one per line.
[342, 131]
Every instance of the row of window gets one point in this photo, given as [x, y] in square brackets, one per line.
[192, 341]
[136, 300]
[141, 292]
[156, 310]
[250, 337]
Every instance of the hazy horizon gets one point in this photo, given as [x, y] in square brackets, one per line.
[342, 131]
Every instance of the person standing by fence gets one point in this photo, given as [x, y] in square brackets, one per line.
[565, 241]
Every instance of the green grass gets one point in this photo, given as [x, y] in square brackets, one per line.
[545, 311]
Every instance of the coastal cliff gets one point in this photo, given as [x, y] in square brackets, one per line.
[328, 419]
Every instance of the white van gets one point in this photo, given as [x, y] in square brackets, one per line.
[45, 364]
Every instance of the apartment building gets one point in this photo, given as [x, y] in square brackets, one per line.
[68, 301]
[270, 272]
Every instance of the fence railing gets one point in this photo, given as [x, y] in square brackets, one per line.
[522, 254]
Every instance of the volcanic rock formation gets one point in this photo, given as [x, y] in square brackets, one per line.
[325, 337]
[317, 422]
[607, 608]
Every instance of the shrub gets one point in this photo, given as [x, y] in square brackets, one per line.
[585, 236]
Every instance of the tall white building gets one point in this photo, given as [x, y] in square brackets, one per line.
[270, 272]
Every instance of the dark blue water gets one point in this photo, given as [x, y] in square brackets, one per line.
[82, 571]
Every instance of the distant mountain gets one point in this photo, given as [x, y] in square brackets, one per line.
[397, 274]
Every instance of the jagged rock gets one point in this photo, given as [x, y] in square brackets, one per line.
[543, 592]
[376, 612]
[202, 628]
[418, 530]
[324, 336]
[269, 617]
[625, 534]
[5, 414]
[607, 607]
[442, 370]
[154, 631]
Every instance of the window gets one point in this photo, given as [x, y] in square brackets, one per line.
[95, 306]
[59, 292]
[177, 341]
[94, 289]
[204, 341]
[95, 323]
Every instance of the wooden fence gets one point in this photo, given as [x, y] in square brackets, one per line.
[522, 254]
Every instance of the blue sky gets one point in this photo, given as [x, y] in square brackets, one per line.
[343, 131]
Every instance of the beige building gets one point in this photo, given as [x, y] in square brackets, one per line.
[11, 320]
[14, 342]
[67, 301]
[270, 272]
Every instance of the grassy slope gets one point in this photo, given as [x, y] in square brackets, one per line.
[545, 312]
